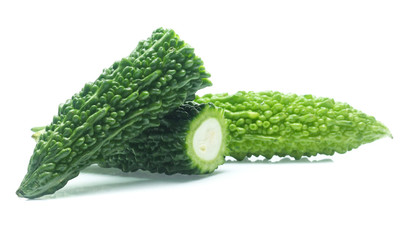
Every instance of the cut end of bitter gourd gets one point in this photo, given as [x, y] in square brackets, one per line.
[205, 142]
[190, 140]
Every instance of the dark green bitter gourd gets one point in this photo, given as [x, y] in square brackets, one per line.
[273, 123]
[127, 98]
[189, 140]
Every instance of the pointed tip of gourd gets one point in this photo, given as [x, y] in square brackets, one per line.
[384, 130]
[389, 134]
[20, 193]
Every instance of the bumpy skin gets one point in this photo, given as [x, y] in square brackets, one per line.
[273, 123]
[127, 98]
[165, 149]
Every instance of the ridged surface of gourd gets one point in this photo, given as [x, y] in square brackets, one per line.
[168, 148]
[273, 123]
[127, 98]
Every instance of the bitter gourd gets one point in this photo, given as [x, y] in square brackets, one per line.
[189, 140]
[272, 123]
[127, 98]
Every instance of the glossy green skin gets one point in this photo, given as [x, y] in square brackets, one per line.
[273, 123]
[127, 98]
[164, 149]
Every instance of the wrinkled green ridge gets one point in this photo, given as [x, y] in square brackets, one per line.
[127, 98]
[165, 149]
[273, 123]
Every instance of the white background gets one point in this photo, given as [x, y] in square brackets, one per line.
[351, 50]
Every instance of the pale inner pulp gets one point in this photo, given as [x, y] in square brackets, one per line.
[207, 139]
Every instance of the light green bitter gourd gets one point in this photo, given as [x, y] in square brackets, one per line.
[132, 95]
[273, 123]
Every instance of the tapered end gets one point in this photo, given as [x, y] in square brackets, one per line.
[20, 193]
[388, 133]
[383, 130]
[23, 194]
[24, 190]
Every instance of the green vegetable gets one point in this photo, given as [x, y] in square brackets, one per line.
[127, 98]
[273, 123]
[189, 140]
